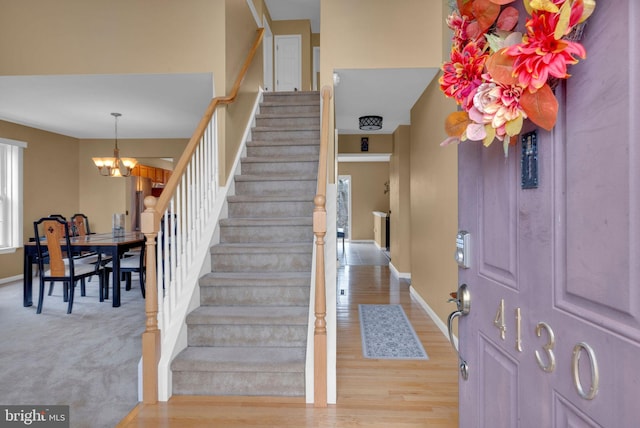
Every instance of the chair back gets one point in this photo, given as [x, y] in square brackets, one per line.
[81, 223]
[53, 242]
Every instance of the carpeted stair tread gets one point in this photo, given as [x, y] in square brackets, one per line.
[287, 115]
[240, 359]
[287, 128]
[249, 315]
[295, 142]
[251, 279]
[261, 248]
[277, 221]
[271, 198]
[275, 177]
[283, 159]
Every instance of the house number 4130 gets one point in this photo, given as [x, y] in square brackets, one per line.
[546, 359]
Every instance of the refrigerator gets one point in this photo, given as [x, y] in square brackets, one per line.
[140, 188]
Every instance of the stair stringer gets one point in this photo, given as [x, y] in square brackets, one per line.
[174, 336]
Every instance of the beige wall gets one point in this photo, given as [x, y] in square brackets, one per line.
[367, 195]
[405, 33]
[119, 36]
[303, 28]
[434, 202]
[240, 35]
[51, 184]
[400, 200]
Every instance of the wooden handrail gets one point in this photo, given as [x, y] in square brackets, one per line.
[150, 224]
[172, 184]
[320, 230]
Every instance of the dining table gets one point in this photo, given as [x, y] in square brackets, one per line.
[108, 244]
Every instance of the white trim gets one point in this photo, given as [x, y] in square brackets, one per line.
[267, 54]
[349, 207]
[439, 323]
[11, 279]
[398, 274]
[316, 66]
[17, 143]
[364, 157]
[254, 12]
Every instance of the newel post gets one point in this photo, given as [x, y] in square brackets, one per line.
[151, 335]
[320, 327]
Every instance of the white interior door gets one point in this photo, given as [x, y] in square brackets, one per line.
[552, 338]
[288, 62]
[267, 47]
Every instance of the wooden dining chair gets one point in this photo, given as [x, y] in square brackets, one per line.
[52, 238]
[128, 265]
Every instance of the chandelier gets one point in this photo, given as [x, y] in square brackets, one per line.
[370, 123]
[115, 166]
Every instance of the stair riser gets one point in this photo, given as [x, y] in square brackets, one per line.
[264, 234]
[284, 134]
[290, 262]
[247, 335]
[254, 296]
[270, 209]
[288, 121]
[275, 187]
[296, 99]
[279, 151]
[264, 168]
[238, 383]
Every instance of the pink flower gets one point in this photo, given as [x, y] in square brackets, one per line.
[458, 24]
[498, 105]
[463, 74]
[541, 55]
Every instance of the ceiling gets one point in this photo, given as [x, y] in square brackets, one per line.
[171, 105]
[80, 106]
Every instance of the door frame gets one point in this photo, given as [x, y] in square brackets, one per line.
[267, 49]
[347, 236]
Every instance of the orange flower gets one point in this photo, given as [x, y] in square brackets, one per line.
[541, 55]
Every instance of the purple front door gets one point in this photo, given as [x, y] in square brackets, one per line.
[552, 338]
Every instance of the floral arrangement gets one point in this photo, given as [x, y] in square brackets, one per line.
[499, 76]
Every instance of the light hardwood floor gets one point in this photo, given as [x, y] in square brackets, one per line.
[370, 393]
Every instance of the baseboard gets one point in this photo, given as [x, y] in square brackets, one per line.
[439, 323]
[402, 275]
[11, 279]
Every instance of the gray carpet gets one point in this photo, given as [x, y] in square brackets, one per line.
[87, 360]
[388, 334]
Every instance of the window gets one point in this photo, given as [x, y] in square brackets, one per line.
[10, 194]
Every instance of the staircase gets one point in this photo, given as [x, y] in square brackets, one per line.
[248, 337]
